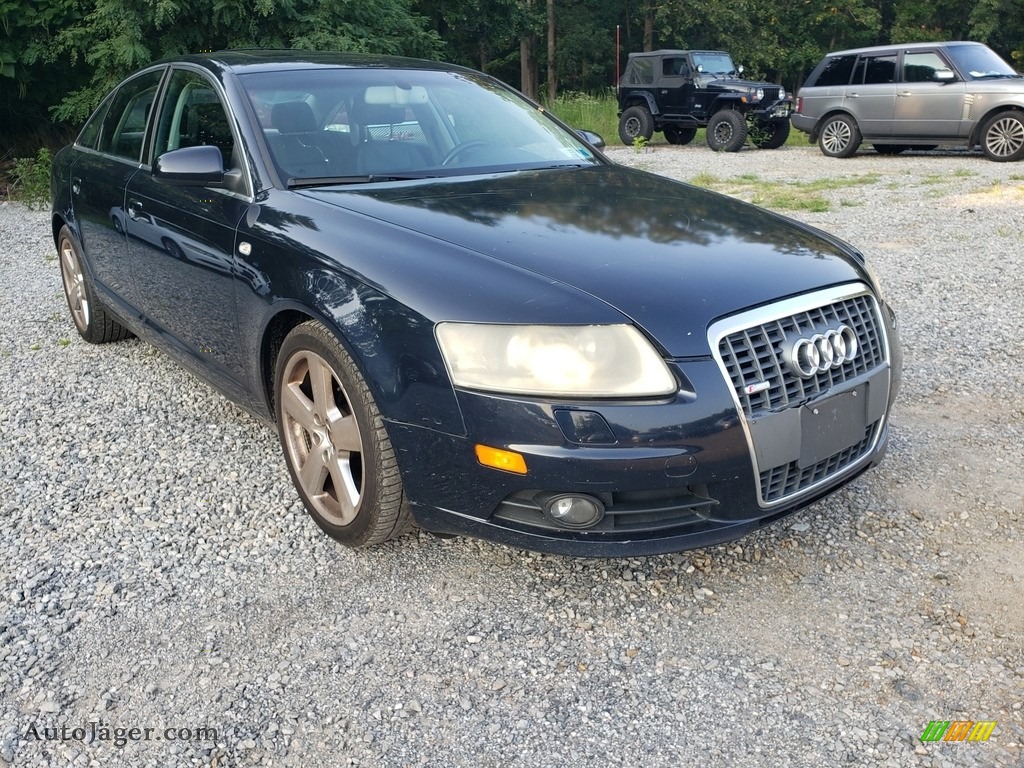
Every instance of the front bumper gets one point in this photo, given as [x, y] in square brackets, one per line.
[672, 474]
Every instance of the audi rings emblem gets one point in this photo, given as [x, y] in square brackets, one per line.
[808, 356]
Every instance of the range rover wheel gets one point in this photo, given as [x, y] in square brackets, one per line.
[335, 444]
[680, 135]
[771, 134]
[93, 320]
[1002, 137]
[727, 131]
[839, 136]
[635, 122]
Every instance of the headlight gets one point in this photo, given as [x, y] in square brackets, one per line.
[782, 93]
[759, 94]
[554, 360]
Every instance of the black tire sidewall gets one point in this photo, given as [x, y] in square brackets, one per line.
[646, 124]
[738, 136]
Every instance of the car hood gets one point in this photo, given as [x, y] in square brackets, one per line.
[732, 83]
[670, 256]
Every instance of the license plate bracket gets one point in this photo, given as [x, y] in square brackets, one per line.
[831, 425]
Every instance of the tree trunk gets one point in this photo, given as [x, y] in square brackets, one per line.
[552, 77]
[528, 66]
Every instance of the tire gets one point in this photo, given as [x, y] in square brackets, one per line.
[890, 149]
[635, 122]
[772, 134]
[1002, 137]
[727, 131]
[335, 444]
[92, 319]
[839, 136]
[679, 135]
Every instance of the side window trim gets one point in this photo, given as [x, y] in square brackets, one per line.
[241, 159]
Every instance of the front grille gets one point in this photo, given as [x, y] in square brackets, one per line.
[751, 351]
[754, 356]
[779, 482]
[625, 512]
[771, 94]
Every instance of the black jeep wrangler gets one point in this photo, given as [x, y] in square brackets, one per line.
[678, 92]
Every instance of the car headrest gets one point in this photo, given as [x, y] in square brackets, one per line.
[293, 117]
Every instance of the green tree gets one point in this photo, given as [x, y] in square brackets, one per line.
[119, 36]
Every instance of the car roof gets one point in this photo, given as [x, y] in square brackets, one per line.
[264, 60]
[902, 47]
[668, 52]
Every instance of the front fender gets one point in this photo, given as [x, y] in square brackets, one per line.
[406, 375]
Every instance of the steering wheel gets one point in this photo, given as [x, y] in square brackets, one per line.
[458, 149]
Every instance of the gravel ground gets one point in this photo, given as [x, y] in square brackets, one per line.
[158, 572]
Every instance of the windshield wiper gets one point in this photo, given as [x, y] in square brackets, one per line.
[331, 181]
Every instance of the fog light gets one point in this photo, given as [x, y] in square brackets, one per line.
[571, 511]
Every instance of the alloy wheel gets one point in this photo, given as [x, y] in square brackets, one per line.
[322, 437]
[74, 285]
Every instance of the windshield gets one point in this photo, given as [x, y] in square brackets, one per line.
[714, 63]
[349, 125]
[978, 61]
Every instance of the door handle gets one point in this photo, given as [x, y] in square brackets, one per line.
[904, 94]
[134, 209]
[853, 95]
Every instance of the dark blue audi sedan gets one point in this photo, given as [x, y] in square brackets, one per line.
[459, 314]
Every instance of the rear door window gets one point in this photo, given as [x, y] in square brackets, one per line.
[875, 69]
[124, 127]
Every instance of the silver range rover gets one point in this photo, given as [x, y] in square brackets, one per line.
[921, 95]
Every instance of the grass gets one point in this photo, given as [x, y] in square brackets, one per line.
[785, 195]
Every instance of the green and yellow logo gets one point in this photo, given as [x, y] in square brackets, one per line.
[958, 730]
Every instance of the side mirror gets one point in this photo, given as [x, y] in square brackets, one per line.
[593, 139]
[944, 76]
[739, 69]
[190, 167]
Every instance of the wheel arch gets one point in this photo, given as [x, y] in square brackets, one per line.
[412, 387]
[639, 99]
[975, 139]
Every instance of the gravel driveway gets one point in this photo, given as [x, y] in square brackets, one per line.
[158, 572]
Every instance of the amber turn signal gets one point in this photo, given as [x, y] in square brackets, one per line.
[509, 461]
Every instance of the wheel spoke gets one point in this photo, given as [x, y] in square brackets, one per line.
[321, 380]
[344, 488]
[297, 406]
[313, 473]
[345, 433]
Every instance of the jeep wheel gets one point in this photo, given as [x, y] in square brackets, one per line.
[839, 137]
[636, 122]
[680, 135]
[1002, 138]
[727, 131]
[771, 134]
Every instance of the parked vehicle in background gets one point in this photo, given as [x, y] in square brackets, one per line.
[677, 92]
[898, 97]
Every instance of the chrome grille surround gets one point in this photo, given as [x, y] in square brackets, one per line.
[750, 351]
